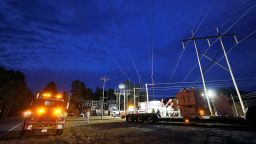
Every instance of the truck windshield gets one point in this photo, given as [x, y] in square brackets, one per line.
[48, 103]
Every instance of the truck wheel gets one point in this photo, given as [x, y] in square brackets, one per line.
[140, 119]
[59, 131]
[23, 132]
[151, 119]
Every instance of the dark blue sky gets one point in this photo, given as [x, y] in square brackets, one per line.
[64, 40]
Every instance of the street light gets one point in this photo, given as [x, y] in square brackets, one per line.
[121, 86]
[211, 94]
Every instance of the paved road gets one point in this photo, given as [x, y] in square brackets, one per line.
[10, 124]
[116, 131]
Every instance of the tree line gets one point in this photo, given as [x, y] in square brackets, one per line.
[15, 94]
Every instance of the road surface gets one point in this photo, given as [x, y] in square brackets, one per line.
[116, 131]
[10, 124]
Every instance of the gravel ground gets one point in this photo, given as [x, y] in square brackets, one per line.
[116, 131]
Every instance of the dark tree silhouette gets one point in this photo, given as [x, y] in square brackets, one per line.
[79, 93]
[14, 93]
[97, 94]
[51, 88]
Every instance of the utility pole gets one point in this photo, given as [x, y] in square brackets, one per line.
[201, 71]
[119, 103]
[104, 79]
[230, 70]
[219, 37]
[124, 100]
[134, 97]
[147, 95]
[234, 105]
[202, 75]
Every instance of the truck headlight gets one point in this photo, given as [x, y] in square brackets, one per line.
[57, 111]
[41, 111]
[27, 113]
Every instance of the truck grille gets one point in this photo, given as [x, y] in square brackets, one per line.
[45, 120]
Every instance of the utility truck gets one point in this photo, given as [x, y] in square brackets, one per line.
[47, 112]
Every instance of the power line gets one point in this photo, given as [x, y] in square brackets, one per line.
[199, 86]
[228, 15]
[184, 47]
[218, 38]
[209, 81]
[119, 25]
[152, 43]
[242, 40]
[135, 67]
[241, 17]
[114, 60]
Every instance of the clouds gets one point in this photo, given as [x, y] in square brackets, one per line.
[99, 37]
[46, 30]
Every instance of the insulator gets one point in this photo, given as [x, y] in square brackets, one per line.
[209, 43]
[236, 39]
[183, 46]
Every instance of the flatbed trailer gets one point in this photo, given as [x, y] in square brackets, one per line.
[156, 118]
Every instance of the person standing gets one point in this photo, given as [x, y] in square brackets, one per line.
[87, 116]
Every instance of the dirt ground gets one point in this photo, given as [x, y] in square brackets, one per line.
[116, 131]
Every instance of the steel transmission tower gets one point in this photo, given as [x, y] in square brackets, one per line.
[219, 37]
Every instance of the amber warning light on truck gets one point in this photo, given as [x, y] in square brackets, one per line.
[40, 111]
[27, 113]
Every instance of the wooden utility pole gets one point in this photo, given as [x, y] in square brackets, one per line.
[104, 79]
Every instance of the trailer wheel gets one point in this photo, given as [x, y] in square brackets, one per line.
[59, 131]
[129, 119]
[151, 119]
[140, 119]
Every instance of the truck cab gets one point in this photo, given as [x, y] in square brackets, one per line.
[47, 112]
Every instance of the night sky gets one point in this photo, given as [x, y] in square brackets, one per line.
[64, 40]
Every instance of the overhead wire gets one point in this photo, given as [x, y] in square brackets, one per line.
[242, 40]
[194, 66]
[241, 17]
[200, 86]
[189, 82]
[152, 44]
[228, 15]
[194, 32]
[119, 25]
[246, 37]
[135, 67]
[115, 62]
[222, 83]
[120, 68]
